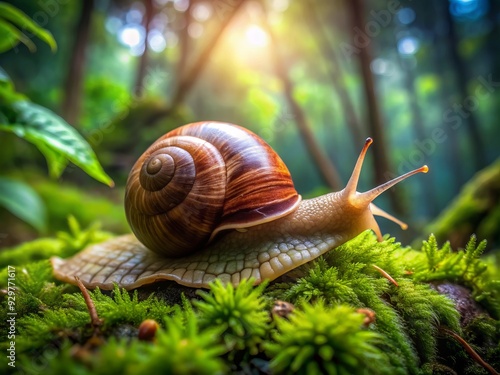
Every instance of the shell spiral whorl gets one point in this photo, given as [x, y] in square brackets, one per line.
[200, 179]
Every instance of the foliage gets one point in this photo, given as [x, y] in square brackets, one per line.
[65, 245]
[240, 312]
[189, 350]
[464, 267]
[12, 24]
[16, 196]
[57, 140]
[121, 308]
[179, 349]
[229, 328]
[474, 210]
[85, 205]
[322, 340]
[346, 275]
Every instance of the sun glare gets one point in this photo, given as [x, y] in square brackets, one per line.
[130, 36]
[257, 36]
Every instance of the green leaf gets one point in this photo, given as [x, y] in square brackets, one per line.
[48, 131]
[8, 94]
[21, 20]
[4, 77]
[56, 161]
[10, 37]
[22, 201]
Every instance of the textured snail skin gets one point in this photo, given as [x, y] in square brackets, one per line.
[263, 249]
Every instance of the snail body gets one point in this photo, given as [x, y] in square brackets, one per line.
[212, 200]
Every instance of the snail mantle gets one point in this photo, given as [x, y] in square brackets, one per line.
[213, 200]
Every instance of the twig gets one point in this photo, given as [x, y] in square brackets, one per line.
[385, 274]
[94, 318]
[476, 357]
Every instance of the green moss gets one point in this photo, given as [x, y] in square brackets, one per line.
[322, 340]
[239, 312]
[179, 349]
[464, 267]
[64, 245]
[475, 210]
[230, 330]
[88, 208]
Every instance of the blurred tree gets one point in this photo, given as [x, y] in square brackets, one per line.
[328, 171]
[462, 77]
[335, 73]
[375, 126]
[74, 78]
[184, 41]
[439, 55]
[191, 74]
[419, 130]
[144, 58]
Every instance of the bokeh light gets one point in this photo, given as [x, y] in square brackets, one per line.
[256, 36]
[468, 9]
[408, 45]
[131, 36]
[156, 41]
[406, 16]
[202, 12]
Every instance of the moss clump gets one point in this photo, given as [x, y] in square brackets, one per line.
[475, 210]
[230, 330]
[464, 267]
[323, 340]
[181, 348]
[64, 245]
[346, 275]
[240, 312]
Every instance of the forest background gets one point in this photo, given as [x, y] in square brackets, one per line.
[313, 78]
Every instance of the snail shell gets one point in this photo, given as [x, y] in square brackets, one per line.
[201, 179]
[212, 200]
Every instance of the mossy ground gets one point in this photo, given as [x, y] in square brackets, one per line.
[232, 330]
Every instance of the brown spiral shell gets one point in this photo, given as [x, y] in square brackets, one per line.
[200, 179]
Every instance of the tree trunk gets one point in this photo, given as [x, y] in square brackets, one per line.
[74, 79]
[380, 159]
[452, 153]
[427, 188]
[143, 60]
[462, 77]
[339, 84]
[226, 12]
[326, 168]
[184, 42]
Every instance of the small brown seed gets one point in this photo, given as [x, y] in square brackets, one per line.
[147, 330]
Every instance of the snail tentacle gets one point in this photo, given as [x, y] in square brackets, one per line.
[206, 178]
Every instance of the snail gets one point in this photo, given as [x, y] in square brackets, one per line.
[213, 200]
